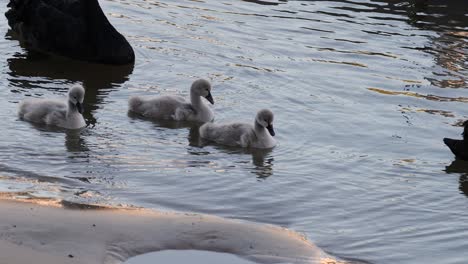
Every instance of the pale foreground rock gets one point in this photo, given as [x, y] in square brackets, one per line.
[51, 232]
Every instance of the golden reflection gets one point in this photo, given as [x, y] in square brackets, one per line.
[453, 57]
[450, 83]
[331, 261]
[410, 81]
[417, 95]
[436, 112]
[429, 111]
[404, 162]
[449, 46]
[29, 198]
[118, 15]
[463, 34]
[210, 18]
[445, 23]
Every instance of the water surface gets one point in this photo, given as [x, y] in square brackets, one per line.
[363, 93]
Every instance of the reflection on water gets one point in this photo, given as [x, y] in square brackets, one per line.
[447, 19]
[263, 162]
[75, 142]
[464, 184]
[261, 158]
[449, 46]
[460, 167]
[417, 95]
[94, 76]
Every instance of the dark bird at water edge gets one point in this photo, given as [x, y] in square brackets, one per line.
[459, 147]
[77, 29]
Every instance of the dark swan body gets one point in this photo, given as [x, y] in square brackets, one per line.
[77, 29]
[459, 147]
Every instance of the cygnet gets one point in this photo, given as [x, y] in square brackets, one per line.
[56, 112]
[258, 135]
[175, 107]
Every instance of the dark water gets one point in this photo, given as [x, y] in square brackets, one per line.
[363, 93]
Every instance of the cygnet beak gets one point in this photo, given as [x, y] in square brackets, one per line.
[209, 98]
[271, 130]
[79, 107]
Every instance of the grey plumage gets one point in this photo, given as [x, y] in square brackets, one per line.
[169, 107]
[258, 135]
[55, 112]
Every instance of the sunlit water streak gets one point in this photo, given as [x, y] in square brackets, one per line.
[363, 93]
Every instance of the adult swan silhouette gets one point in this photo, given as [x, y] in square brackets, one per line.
[77, 29]
[459, 147]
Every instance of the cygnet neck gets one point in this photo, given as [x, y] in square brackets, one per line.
[72, 109]
[259, 128]
[195, 99]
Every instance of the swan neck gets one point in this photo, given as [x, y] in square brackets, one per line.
[259, 128]
[71, 109]
[195, 100]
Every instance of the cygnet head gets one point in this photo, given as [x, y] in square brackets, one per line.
[76, 97]
[265, 119]
[202, 87]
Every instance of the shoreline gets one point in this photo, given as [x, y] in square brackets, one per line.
[54, 232]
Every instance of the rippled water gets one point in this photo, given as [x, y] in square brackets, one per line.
[363, 93]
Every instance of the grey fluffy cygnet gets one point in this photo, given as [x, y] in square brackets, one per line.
[175, 107]
[258, 135]
[56, 112]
